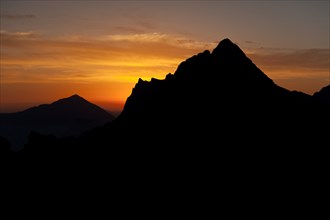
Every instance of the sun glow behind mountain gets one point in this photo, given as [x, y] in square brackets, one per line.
[99, 50]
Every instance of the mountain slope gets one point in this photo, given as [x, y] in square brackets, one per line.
[216, 108]
[218, 126]
[68, 116]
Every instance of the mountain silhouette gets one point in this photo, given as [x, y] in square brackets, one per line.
[212, 98]
[323, 95]
[223, 89]
[65, 117]
[217, 123]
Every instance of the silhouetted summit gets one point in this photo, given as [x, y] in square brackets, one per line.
[67, 116]
[229, 51]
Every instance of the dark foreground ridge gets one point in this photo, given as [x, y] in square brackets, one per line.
[217, 116]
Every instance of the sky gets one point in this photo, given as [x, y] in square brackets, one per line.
[99, 49]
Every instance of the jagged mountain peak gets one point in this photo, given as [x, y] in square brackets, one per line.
[226, 49]
[215, 76]
[225, 43]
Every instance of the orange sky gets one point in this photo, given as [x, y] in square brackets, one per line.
[53, 50]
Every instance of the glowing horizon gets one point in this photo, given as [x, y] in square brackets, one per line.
[99, 50]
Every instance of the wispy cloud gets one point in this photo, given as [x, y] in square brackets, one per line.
[138, 38]
[173, 40]
[138, 27]
[292, 62]
[18, 16]
[32, 57]
[305, 70]
[24, 34]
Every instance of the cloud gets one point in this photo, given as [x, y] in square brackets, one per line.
[292, 62]
[18, 16]
[5, 35]
[32, 57]
[136, 25]
[138, 38]
[305, 70]
[139, 27]
[107, 67]
[172, 40]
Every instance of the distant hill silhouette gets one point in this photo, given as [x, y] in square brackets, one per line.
[65, 117]
[217, 123]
